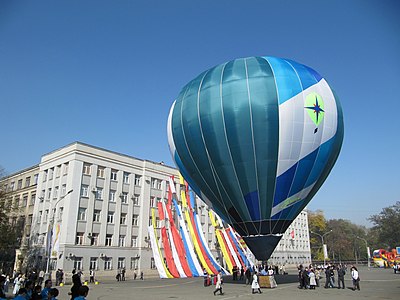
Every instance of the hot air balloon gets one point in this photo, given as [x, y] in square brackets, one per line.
[256, 138]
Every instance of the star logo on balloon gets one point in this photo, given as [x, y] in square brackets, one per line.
[315, 108]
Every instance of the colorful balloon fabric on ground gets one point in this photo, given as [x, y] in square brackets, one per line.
[256, 138]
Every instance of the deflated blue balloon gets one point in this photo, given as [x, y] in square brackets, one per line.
[256, 138]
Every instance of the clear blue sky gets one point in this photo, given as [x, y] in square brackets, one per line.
[107, 72]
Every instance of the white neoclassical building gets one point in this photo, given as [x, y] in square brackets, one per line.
[100, 201]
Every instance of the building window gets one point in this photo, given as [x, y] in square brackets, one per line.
[126, 177]
[39, 217]
[35, 178]
[121, 241]
[55, 195]
[63, 189]
[136, 199]
[49, 193]
[110, 218]
[108, 263]
[66, 169]
[82, 214]
[29, 221]
[58, 171]
[46, 215]
[134, 241]
[152, 201]
[112, 196]
[27, 181]
[108, 239]
[114, 174]
[124, 197]
[94, 239]
[123, 219]
[24, 200]
[135, 220]
[134, 263]
[138, 180]
[156, 183]
[84, 191]
[86, 169]
[99, 193]
[44, 175]
[100, 172]
[33, 198]
[19, 184]
[96, 215]
[93, 263]
[51, 172]
[79, 238]
[121, 262]
[78, 263]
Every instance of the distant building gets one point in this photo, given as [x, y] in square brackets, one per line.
[294, 247]
[98, 203]
[21, 189]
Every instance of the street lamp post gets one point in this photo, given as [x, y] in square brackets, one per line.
[368, 253]
[49, 233]
[322, 239]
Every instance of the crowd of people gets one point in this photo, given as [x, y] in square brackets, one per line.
[309, 277]
[31, 286]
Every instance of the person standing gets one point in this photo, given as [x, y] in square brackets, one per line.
[312, 280]
[218, 286]
[36, 293]
[41, 277]
[341, 272]
[47, 287]
[327, 277]
[123, 274]
[205, 277]
[91, 276]
[6, 284]
[248, 275]
[356, 278]
[317, 276]
[17, 284]
[76, 284]
[83, 292]
[58, 277]
[29, 289]
[241, 274]
[332, 276]
[255, 285]
[53, 294]
[21, 294]
[2, 281]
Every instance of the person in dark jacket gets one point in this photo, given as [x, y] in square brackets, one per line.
[341, 272]
[327, 277]
[76, 284]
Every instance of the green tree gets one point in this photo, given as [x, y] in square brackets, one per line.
[317, 225]
[346, 240]
[11, 228]
[386, 227]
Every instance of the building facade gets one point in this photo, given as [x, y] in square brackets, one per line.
[294, 246]
[93, 206]
[21, 196]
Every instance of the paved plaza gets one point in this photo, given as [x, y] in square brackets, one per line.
[375, 284]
